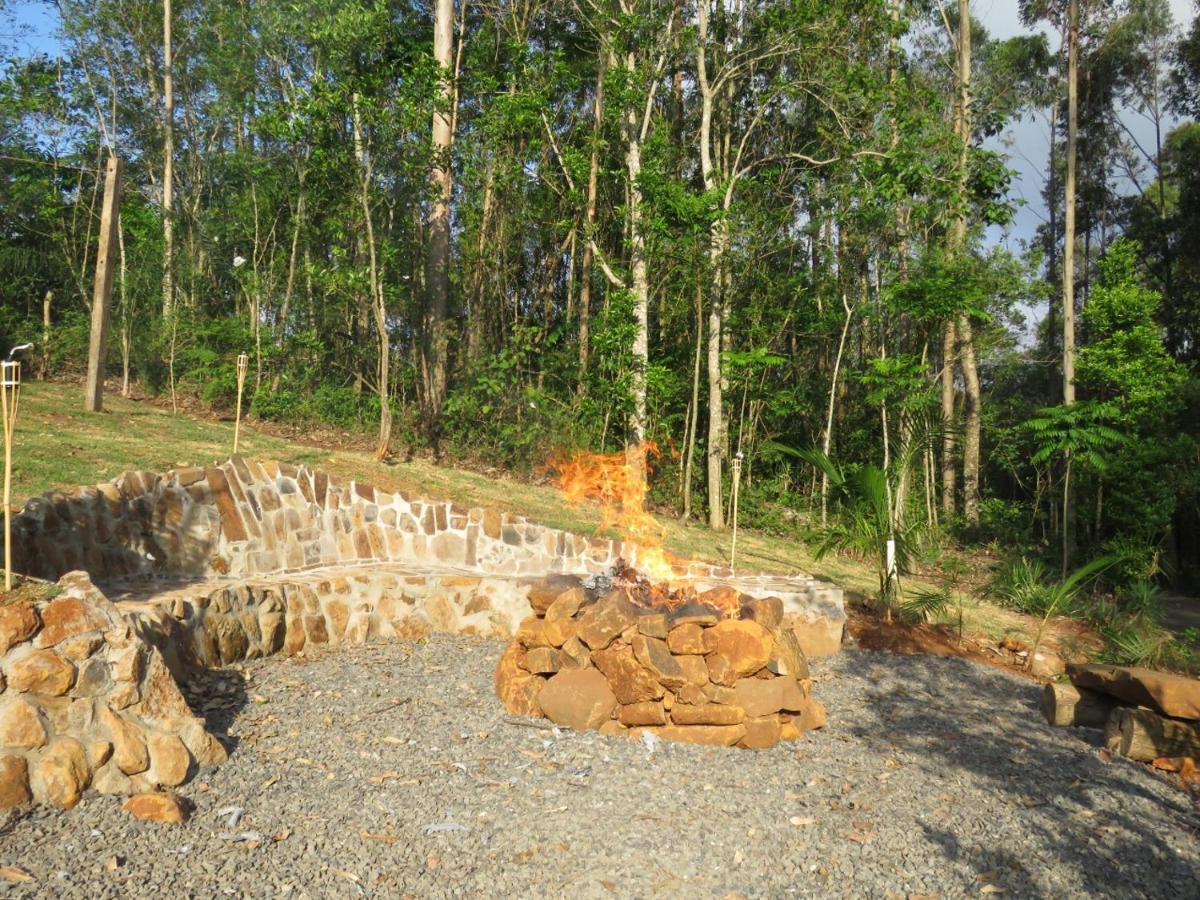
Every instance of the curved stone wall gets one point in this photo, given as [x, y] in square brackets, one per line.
[205, 567]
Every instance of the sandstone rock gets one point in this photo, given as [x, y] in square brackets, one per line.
[93, 680]
[648, 713]
[654, 625]
[694, 614]
[205, 749]
[98, 753]
[628, 680]
[759, 697]
[578, 698]
[566, 604]
[687, 638]
[695, 669]
[719, 693]
[717, 735]
[517, 689]
[744, 645]
[126, 663]
[794, 695]
[789, 658]
[156, 807]
[18, 622]
[725, 599]
[1046, 664]
[613, 728]
[543, 661]
[691, 694]
[21, 725]
[129, 746]
[820, 636]
[812, 716]
[761, 733]
[657, 659]
[79, 648]
[1176, 696]
[543, 593]
[169, 759]
[788, 731]
[708, 714]
[61, 773]
[111, 780]
[531, 633]
[766, 611]
[14, 782]
[557, 632]
[606, 619]
[41, 672]
[573, 655]
[67, 616]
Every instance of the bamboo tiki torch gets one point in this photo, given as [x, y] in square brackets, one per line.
[737, 477]
[243, 366]
[10, 377]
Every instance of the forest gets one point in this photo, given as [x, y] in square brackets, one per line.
[760, 232]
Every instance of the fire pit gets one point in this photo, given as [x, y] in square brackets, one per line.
[622, 655]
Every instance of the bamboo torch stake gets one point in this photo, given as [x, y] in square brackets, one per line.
[10, 377]
[737, 477]
[243, 365]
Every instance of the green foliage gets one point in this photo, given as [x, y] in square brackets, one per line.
[1081, 431]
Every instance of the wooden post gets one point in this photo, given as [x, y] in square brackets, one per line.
[44, 369]
[93, 398]
[737, 477]
[10, 385]
[243, 364]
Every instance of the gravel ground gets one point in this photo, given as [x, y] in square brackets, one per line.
[391, 770]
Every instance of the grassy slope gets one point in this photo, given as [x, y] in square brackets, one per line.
[58, 445]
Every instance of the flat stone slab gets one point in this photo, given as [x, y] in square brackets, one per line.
[1172, 695]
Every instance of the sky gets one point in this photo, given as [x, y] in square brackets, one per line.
[1025, 143]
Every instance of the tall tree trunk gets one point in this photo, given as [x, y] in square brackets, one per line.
[1068, 279]
[948, 424]
[694, 407]
[378, 305]
[972, 419]
[585, 290]
[639, 279]
[168, 185]
[718, 240]
[437, 278]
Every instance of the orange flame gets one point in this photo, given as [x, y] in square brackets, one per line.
[617, 483]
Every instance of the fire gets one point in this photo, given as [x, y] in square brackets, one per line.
[617, 483]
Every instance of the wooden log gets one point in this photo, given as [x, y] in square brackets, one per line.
[93, 394]
[1068, 706]
[1144, 735]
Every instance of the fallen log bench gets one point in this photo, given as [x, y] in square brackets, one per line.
[1144, 735]
[1067, 706]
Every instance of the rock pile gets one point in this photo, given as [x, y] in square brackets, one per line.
[84, 703]
[721, 668]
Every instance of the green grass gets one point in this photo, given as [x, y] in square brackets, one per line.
[58, 446]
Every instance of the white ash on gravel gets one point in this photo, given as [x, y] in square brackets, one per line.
[392, 770]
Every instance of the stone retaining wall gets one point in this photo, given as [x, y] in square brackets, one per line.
[84, 702]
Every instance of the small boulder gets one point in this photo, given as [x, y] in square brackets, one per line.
[578, 698]
[156, 807]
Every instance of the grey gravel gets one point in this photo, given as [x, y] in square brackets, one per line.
[391, 770]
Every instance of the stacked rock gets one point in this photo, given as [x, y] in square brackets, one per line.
[717, 669]
[85, 703]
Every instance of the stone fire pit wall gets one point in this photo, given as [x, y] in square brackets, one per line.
[202, 567]
[691, 674]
